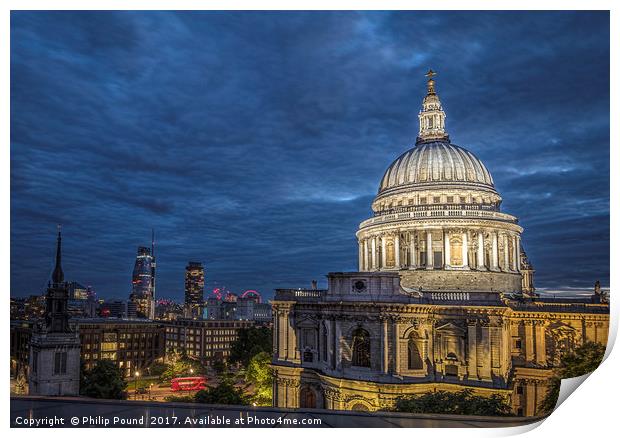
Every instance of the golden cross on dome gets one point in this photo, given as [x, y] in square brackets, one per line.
[430, 74]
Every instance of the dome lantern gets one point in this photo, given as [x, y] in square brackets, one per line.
[432, 118]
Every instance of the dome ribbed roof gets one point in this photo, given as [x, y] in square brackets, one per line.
[436, 162]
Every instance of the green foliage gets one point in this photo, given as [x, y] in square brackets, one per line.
[223, 394]
[219, 366]
[582, 360]
[460, 403]
[179, 366]
[158, 368]
[180, 398]
[260, 374]
[250, 342]
[105, 380]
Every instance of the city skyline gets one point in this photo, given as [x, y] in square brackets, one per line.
[245, 157]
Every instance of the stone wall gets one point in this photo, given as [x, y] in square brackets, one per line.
[438, 280]
[42, 379]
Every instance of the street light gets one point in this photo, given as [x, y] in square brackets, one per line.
[135, 391]
[191, 371]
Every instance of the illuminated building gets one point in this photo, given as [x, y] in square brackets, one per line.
[30, 308]
[443, 298]
[194, 289]
[132, 344]
[168, 310]
[205, 340]
[248, 306]
[77, 291]
[143, 284]
[113, 309]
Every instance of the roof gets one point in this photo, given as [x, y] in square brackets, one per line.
[436, 162]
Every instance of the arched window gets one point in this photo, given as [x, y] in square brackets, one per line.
[415, 358]
[359, 407]
[390, 260]
[361, 348]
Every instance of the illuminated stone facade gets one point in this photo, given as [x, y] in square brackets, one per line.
[443, 300]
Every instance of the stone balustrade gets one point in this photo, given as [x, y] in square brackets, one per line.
[299, 294]
[438, 214]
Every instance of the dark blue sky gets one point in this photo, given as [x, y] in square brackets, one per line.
[255, 142]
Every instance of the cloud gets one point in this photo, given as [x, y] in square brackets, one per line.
[255, 142]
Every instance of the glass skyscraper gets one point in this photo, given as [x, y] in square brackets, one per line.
[194, 289]
[143, 284]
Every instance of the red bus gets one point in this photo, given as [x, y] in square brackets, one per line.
[188, 383]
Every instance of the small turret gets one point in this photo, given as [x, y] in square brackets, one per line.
[527, 276]
[432, 118]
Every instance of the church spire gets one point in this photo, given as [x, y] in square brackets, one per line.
[432, 118]
[58, 276]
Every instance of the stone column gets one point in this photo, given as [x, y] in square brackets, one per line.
[465, 250]
[383, 254]
[541, 353]
[506, 256]
[276, 333]
[384, 346]
[413, 250]
[397, 250]
[481, 251]
[366, 255]
[396, 342]
[529, 341]
[515, 254]
[446, 249]
[495, 254]
[429, 250]
[518, 252]
[337, 351]
[530, 399]
[295, 338]
[485, 360]
[472, 346]
[282, 330]
[360, 261]
[373, 255]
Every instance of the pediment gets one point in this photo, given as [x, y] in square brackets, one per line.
[560, 327]
[306, 320]
[450, 328]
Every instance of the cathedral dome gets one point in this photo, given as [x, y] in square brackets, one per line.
[436, 162]
[437, 219]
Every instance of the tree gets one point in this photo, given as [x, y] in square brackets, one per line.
[179, 366]
[180, 398]
[105, 380]
[219, 366]
[582, 360]
[460, 403]
[223, 394]
[158, 368]
[260, 375]
[250, 342]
